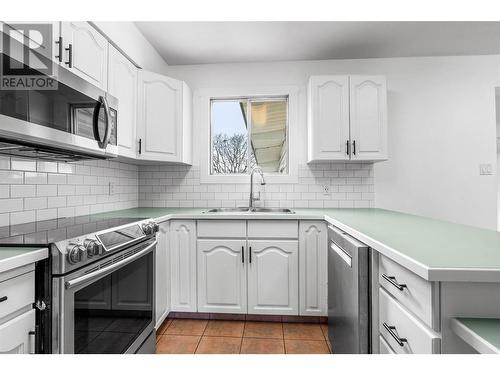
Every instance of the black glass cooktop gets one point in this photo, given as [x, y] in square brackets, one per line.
[48, 231]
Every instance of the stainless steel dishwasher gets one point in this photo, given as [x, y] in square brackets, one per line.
[348, 293]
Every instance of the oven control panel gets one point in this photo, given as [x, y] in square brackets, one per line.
[74, 253]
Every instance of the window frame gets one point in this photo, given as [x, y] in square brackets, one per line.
[203, 121]
[248, 100]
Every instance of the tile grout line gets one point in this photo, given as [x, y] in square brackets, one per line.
[201, 337]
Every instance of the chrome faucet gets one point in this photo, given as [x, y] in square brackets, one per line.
[263, 182]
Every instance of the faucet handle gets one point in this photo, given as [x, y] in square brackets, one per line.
[256, 196]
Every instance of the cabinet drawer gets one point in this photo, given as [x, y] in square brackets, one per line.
[222, 228]
[17, 293]
[273, 229]
[416, 294]
[385, 348]
[393, 317]
[17, 336]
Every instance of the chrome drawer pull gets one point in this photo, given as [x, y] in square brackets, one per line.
[400, 340]
[393, 282]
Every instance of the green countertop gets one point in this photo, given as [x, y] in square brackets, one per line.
[12, 257]
[483, 334]
[434, 249]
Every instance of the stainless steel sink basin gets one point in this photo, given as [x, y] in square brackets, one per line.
[255, 210]
[229, 209]
[273, 210]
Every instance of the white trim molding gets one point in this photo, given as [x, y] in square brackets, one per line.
[202, 99]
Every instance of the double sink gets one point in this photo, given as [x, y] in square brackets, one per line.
[251, 210]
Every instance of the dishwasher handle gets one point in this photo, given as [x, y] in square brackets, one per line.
[341, 253]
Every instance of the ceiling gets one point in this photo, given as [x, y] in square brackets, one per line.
[184, 43]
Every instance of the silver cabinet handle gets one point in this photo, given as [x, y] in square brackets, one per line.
[31, 340]
[107, 270]
[400, 340]
[393, 282]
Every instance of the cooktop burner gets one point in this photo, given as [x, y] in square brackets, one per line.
[45, 232]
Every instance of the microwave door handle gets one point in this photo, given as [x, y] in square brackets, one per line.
[108, 122]
[102, 143]
[107, 270]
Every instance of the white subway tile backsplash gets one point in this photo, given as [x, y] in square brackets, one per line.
[47, 190]
[23, 164]
[22, 217]
[35, 203]
[35, 178]
[20, 191]
[11, 205]
[11, 177]
[4, 191]
[179, 186]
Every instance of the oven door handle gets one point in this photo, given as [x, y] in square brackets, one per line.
[107, 270]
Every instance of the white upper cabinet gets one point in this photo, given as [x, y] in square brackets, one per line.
[328, 118]
[273, 274]
[122, 84]
[368, 117]
[164, 119]
[313, 271]
[85, 52]
[347, 118]
[222, 285]
[183, 265]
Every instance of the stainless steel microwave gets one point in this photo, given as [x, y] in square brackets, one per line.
[75, 121]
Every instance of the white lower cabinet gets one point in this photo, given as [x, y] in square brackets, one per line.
[273, 274]
[313, 268]
[385, 348]
[183, 265]
[405, 333]
[162, 275]
[17, 336]
[222, 285]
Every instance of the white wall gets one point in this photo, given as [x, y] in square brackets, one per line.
[441, 126]
[497, 101]
[130, 40]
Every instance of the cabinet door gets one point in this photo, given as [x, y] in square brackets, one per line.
[17, 335]
[328, 118]
[273, 275]
[162, 274]
[368, 111]
[89, 52]
[313, 268]
[122, 84]
[183, 265]
[222, 283]
[160, 117]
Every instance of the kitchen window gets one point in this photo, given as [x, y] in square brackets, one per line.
[247, 132]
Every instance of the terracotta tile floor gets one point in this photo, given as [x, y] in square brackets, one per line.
[193, 336]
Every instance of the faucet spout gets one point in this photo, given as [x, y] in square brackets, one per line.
[252, 199]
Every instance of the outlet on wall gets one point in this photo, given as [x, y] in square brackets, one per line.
[112, 188]
[326, 189]
[485, 169]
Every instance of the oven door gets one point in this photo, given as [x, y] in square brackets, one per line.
[107, 307]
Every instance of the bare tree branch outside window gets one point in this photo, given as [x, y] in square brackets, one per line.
[229, 154]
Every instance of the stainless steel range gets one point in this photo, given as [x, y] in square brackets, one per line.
[96, 293]
[103, 291]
